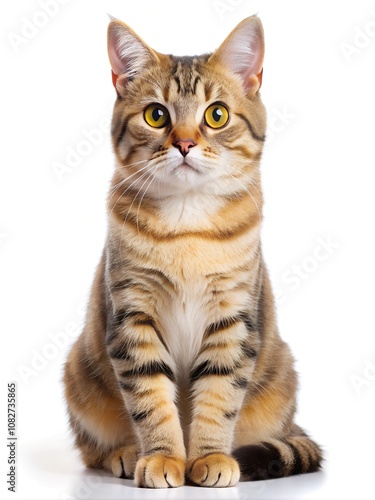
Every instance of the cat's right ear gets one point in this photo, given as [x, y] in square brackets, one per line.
[128, 54]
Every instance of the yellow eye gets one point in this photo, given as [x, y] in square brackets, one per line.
[216, 116]
[156, 115]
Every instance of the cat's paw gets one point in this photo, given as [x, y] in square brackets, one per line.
[216, 470]
[159, 471]
[123, 462]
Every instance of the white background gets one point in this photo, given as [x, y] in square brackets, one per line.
[318, 183]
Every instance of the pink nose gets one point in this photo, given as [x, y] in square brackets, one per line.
[184, 145]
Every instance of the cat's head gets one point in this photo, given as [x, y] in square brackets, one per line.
[188, 123]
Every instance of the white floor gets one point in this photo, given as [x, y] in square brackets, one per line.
[51, 470]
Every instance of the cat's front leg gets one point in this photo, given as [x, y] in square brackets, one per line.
[145, 374]
[219, 381]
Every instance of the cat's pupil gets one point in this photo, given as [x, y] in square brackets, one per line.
[217, 114]
[157, 114]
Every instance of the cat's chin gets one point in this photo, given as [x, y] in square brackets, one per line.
[185, 169]
[185, 175]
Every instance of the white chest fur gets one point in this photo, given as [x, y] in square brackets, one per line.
[183, 321]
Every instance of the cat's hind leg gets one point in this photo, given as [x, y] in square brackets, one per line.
[98, 418]
[122, 462]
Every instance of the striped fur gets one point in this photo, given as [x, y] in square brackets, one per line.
[180, 369]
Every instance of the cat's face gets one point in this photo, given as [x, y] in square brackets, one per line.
[190, 123]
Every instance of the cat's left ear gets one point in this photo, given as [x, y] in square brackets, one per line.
[128, 53]
[242, 52]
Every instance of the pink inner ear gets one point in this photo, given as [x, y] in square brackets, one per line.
[114, 79]
[260, 77]
[255, 62]
[242, 52]
[116, 63]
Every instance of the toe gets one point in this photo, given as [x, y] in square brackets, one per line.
[159, 471]
[216, 470]
[123, 462]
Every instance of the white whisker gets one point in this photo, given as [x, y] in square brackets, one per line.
[144, 194]
[129, 187]
[121, 183]
[128, 166]
[249, 193]
[150, 174]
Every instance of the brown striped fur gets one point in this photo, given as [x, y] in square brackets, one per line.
[180, 370]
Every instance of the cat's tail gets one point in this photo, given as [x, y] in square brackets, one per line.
[295, 454]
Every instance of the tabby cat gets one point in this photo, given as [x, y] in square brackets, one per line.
[180, 373]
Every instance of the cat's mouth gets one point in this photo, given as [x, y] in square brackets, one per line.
[185, 166]
[184, 173]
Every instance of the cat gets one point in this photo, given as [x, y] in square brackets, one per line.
[180, 373]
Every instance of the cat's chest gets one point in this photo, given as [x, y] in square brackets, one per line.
[183, 318]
